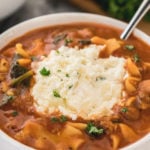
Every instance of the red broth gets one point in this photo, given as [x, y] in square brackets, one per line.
[19, 119]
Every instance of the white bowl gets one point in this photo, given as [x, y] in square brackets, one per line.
[64, 18]
[7, 7]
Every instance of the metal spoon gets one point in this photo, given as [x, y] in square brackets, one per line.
[145, 6]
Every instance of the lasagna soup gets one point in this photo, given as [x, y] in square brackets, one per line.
[75, 87]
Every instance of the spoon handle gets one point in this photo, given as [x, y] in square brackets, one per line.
[145, 6]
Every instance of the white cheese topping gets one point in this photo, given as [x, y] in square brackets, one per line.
[80, 83]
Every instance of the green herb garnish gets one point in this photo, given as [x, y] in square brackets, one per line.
[121, 9]
[10, 97]
[60, 119]
[63, 118]
[67, 41]
[17, 70]
[54, 119]
[44, 72]
[56, 93]
[136, 58]
[124, 109]
[57, 51]
[15, 113]
[18, 73]
[130, 47]
[67, 75]
[100, 78]
[58, 70]
[91, 129]
[70, 86]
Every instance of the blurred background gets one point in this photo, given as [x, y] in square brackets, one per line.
[15, 11]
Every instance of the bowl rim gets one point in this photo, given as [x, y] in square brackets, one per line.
[106, 21]
[66, 18]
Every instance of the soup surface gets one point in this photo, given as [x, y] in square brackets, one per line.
[75, 86]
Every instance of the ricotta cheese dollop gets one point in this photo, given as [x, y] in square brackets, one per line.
[79, 83]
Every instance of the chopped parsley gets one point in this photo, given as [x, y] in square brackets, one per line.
[100, 78]
[58, 70]
[70, 86]
[124, 109]
[136, 58]
[130, 47]
[17, 70]
[78, 73]
[63, 118]
[57, 51]
[60, 119]
[54, 119]
[92, 130]
[15, 113]
[67, 41]
[10, 97]
[56, 93]
[44, 72]
[67, 75]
